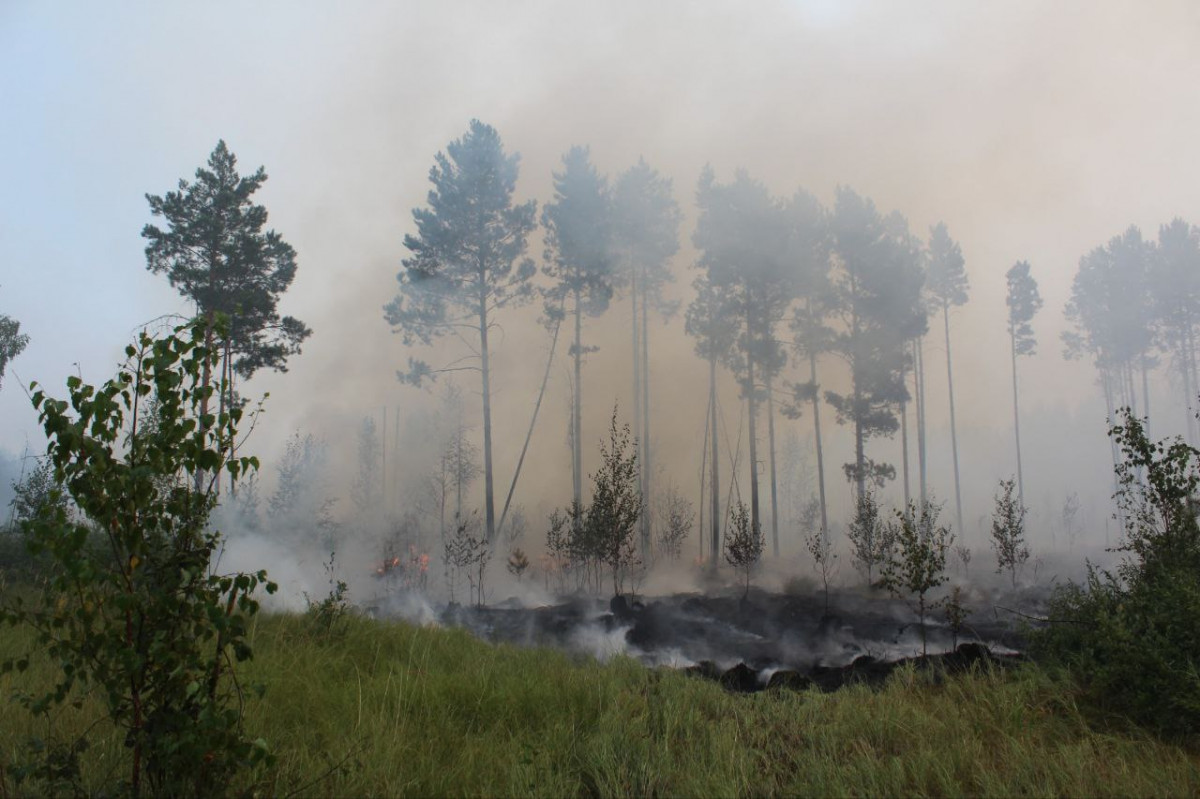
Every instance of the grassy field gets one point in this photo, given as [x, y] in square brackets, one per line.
[388, 709]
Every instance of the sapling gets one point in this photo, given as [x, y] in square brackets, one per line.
[821, 549]
[744, 544]
[868, 534]
[916, 560]
[1008, 531]
[517, 563]
[956, 613]
[133, 612]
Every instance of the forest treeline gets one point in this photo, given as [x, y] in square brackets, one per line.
[785, 292]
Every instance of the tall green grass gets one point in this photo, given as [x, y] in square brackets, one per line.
[388, 709]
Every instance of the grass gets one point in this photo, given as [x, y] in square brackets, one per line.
[388, 709]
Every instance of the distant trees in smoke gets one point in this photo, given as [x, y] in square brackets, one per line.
[781, 284]
[1134, 301]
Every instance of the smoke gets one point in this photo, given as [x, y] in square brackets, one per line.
[1034, 131]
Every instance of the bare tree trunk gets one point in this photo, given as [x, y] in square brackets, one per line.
[774, 482]
[1185, 374]
[529, 433]
[383, 482]
[1106, 382]
[904, 449]
[703, 473]
[1191, 399]
[1146, 394]
[637, 404]
[576, 414]
[715, 486]
[816, 409]
[1012, 337]
[488, 490]
[953, 428]
[755, 520]
[647, 466]
[919, 382]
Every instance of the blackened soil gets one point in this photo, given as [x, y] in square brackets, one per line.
[761, 641]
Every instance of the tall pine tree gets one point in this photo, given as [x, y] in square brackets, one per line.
[466, 264]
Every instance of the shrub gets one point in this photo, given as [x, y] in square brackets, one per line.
[1008, 531]
[744, 544]
[1132, 637]
[139, 618]
[916, 558]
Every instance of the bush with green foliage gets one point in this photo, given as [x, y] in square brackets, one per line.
[132, 613]
[916, 559]
[1132, 636]
[869, 535]
[1008, 531]
[744, 544]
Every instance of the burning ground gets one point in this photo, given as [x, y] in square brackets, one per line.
[764, 639]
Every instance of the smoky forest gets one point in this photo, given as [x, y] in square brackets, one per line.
[533, 434]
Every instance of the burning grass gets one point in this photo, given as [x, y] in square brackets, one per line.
[386, 708]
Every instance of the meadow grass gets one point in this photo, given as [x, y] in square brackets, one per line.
[381, 708]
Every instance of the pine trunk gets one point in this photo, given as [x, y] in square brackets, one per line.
[816, 409]
[576, 412]
[647, 466]
[488, 491]
[1012, 336]
[715, 485]
[953, 427]
[774, 481]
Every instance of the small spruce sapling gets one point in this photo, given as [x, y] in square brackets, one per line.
[1008, 531]
[744, 544]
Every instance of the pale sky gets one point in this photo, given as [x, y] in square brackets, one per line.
[1035, 130]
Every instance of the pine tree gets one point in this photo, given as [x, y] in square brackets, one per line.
[877, 298]
[809, 247]
[645, 234]
[744, 234]
[216, 253]
[1023, 303]
[947, 284]
[579, 261]
[466, 265]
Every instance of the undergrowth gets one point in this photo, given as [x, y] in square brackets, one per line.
[388, 709]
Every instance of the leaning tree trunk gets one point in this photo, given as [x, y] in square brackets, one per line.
[953, 428]
[715, 486]
[485, 374]
[774, 481]
[529, 433]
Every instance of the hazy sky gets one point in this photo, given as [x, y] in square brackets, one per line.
[1035, 130]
